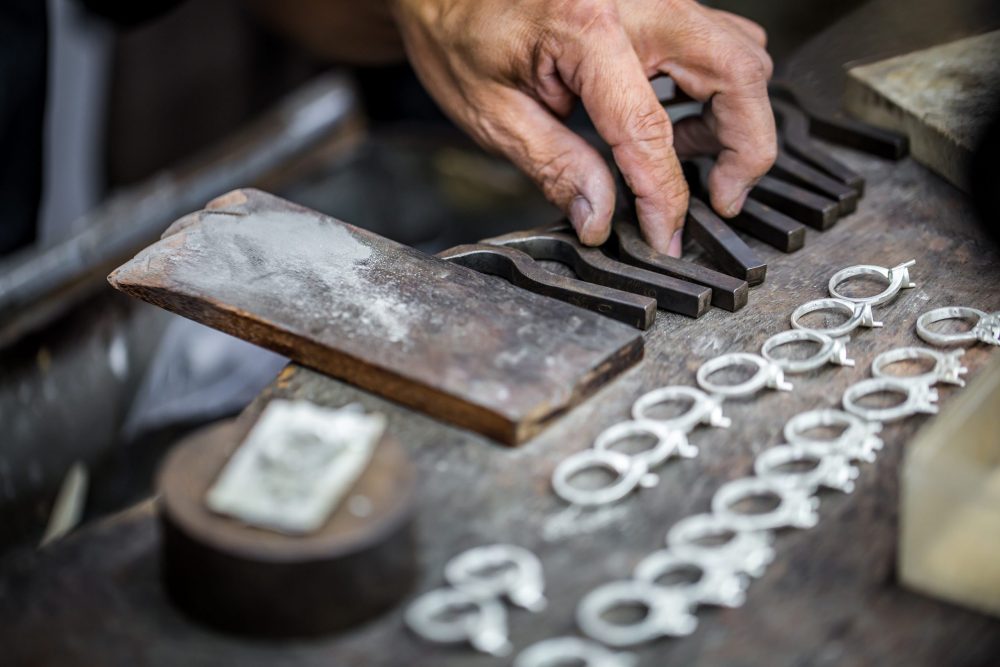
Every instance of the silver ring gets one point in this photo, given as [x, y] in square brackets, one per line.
[831, 350]
[668, 615]
[898, 278]
[668, 441]
[859, 315]
[480, 571]
[484, 625]
[919, 398]
[767, 375]
[704, 410]
[716, 585]
[948, 366]
[560, 650]
[833, 469]
[985, 327]
[796, 508]
[631, 473]
[858, 441]
[749, 552]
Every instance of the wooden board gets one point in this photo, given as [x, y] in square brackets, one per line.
[464, 347]
[831, 597]
[941, 97]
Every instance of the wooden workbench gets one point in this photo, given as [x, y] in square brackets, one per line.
[829, 598]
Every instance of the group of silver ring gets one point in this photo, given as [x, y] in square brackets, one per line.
[472, 609]
[732, 544]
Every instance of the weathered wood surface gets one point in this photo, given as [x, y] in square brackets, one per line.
[830, 598]
[942, 98]
[464, 347]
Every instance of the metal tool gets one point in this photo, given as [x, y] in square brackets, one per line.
[795, 509]
[728, 292]
[858, 315]
[793, 135]
[919, 398]
[450, 616]
[630, 473]
[594, 266]
[835, 127]
[746, 551]
[497, 570]
[791, 169]
[704, 409]
[808, 207]
[756, 219]
[770, 226]
[859, 439]
[722, 244]
[521, 270]
[898, 278]
[947, 368]
[669, 442]
[832, 469]
[768, 374]
[668, 613]
[985, 327]
[558, 651]
[716, 585]
[831, 350]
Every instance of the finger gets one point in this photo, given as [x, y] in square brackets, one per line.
[751, 29]
[569, 171]
[721, 68]
[614, 89]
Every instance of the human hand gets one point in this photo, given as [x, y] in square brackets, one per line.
[507, 72]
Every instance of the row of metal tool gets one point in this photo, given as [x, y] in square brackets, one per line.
[626, 279]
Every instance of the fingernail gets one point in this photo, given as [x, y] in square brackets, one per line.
[737, 204]
[580, 213]
[676, 244]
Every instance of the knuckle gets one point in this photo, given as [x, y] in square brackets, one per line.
[552, 175]
[746, 68]
[649, 125]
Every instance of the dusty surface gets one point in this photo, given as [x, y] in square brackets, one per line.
[829, 599]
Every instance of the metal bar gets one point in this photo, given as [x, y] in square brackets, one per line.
[723, 245]
[592, 265]
[521, 270]
[770, 226]
[795, 171]
[793, 135]
[807, 207]
[728, 293]
[843, 130]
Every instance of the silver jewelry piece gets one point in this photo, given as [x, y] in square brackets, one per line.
[704, 410]
[483, 623]
[833, 469]
[859, 315]
[858, 441]
[749, 551]
[668, 614]
[495, 570]
[898, 278]
[716, 585]
[985, 327]
[796, 508]
[631, 473]
[668, 441]
[831, 350]
[562, 650]
[768, 375]
[948, 366]
[919, 398]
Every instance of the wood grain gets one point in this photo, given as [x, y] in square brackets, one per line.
[467, 348]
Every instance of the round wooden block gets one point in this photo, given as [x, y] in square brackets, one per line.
[253, 581]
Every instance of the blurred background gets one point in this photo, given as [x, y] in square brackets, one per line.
[148, 119]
